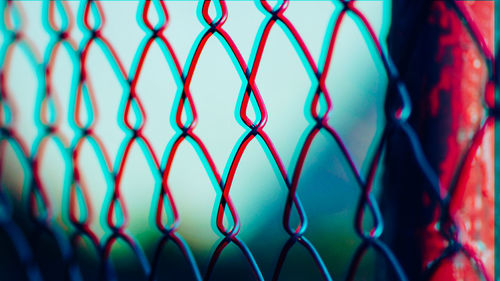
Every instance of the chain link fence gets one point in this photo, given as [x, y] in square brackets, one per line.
[58, 21]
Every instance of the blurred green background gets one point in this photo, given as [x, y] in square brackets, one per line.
[327, 188]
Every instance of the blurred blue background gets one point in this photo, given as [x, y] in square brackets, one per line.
[327, 188]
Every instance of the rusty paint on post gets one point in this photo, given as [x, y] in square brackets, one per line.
[447, 77]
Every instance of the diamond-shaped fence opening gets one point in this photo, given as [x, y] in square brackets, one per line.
[247, 140]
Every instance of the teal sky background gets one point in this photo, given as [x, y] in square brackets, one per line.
[329, 192]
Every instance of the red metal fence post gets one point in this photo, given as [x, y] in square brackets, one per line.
[447, 74]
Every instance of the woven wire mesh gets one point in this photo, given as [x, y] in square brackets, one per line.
[227, 219]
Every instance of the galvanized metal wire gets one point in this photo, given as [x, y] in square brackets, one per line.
[83, 98]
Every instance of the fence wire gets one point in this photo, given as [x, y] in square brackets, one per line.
[79, 213]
